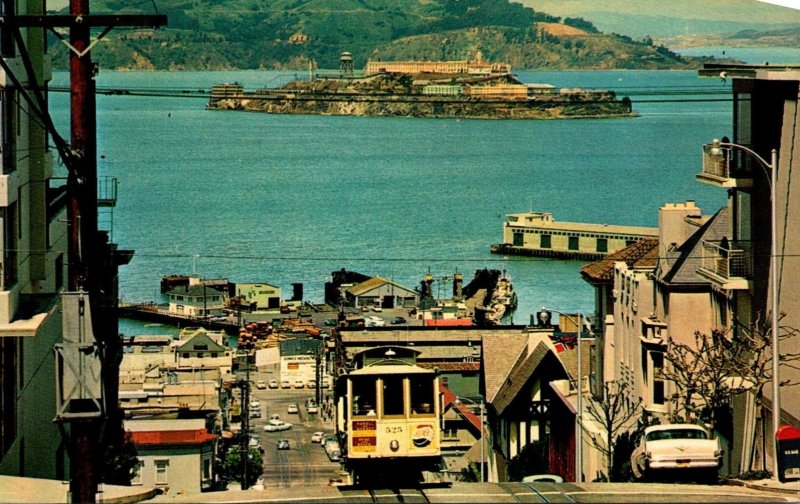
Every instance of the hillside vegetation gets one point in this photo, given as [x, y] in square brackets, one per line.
[293, 34]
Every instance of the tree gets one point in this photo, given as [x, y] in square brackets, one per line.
[613, 412]
[718, 366]
[234, 470]
[120, 462]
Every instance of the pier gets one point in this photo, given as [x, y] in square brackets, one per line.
[538, 234]
[151, 312]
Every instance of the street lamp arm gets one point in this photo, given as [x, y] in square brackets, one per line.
[771, 166]
[746, 149]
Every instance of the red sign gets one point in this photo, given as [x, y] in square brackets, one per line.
[365, 425]
[364, 441]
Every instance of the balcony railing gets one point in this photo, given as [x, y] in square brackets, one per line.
[725, 167]
[730, 263]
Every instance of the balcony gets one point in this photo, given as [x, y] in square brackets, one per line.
[729, 266]
[724, 167]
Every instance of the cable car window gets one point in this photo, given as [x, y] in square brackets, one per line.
[364, 396]
[393, 403]
[421, 395]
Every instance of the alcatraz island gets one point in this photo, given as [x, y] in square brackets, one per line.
[455, 89]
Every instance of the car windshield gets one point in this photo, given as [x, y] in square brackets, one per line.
[677, 434]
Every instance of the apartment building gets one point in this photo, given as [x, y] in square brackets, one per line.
[33, 235]
[755, 168]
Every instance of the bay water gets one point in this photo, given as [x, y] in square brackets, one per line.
[290, 198]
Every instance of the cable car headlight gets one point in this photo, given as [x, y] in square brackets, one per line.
[394, 445]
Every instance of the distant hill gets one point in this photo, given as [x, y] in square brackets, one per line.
[293, 34]
[660, 19]
[786, 37]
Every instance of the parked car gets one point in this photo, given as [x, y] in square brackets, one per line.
[325, 383]
[373, 321]
[377, 308]
[286, 384]
[312, 384]
[276, 426]
[317, 437]
[299, 384]
[547, 478]
[333, 450]
[312, 409]
[399, 320]
[283, 444]
[677, 447]
[331, 322]
[255, 413]
[274, 416]
[273, 384]
[261, 384]
[292, 409]
[327, 439]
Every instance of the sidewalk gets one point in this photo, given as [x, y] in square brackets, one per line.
[33, 490]
[769, 485]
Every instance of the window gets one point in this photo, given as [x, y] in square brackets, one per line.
[9, 216]
[393, 403]
[9, 105]
[206, 469]
[363, 397]
[545, 241]
[574, 243]
[421, 390]
[602, 245]
[161, 471]
[657, 358]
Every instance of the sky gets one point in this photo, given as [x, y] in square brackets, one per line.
[792, 4]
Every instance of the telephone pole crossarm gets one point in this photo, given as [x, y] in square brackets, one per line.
[90, 20]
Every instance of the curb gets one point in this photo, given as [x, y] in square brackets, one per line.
[764, 488]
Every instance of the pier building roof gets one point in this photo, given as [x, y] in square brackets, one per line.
[545, 220]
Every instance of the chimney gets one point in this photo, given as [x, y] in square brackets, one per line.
[673, 228]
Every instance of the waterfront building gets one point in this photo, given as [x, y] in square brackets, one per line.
[380, 292]
[176, 455]
[258, 296]
[33, 234]
[538, 234]
[197, 299]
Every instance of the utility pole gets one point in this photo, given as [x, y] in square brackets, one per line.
[92, 260]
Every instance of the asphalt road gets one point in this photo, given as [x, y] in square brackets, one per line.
[304, 463]
[496, 492]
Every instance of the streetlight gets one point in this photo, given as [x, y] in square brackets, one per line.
[460, 400]
[579, 405]
[770, 170]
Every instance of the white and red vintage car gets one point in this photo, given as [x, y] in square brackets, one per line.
[670, 448]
